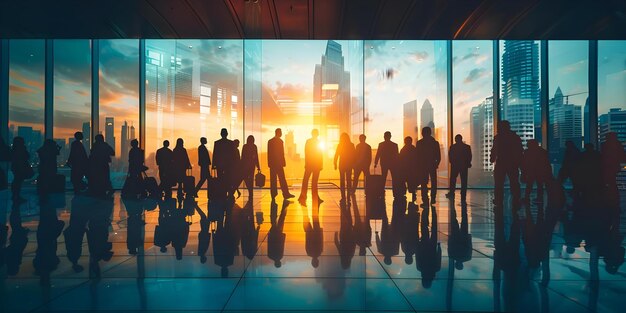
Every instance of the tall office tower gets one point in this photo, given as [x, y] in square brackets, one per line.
[614, 121]
[481, 134]
[565, 124]
[331, 91]
[124, 141]
[427, 116]
[290, 144]
[87, 136]
[586, 131]
[520, 88]
[132, 132]
[357, 119]
[409, 121]
[109, 131]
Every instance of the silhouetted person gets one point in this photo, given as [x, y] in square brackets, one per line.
[428, 249]
[388, 241]
[249, 161]
[135, 225]
[100, 248]
[48, 230]
[223, 159]
[362, 161]
[345, 239]
[460, 157]
[164, 157]
[409, 237]
[459, 238]
[276, 163]
[568, 164]
[313, 233]
[163, 230]
[313, 163]
[428, 156]
[536, 169]
[204, 235]
[345, 154]
[591, 175]
[180, 227]
[224, 244]
[276, 237]
[386, 154]
[613, 156]
[249, 232]
[506, 153]
[99, 171]
[5, 156]
[75, 231]
[180, 165]
[78, 161]
[235, 174]
[362, 229]
[135, 160]
[20, 166]
[204, 161]
[406, 171]
[47, 165]
[18, 241]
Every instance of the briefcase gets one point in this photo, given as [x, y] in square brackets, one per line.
[189, 183]
[259, 179]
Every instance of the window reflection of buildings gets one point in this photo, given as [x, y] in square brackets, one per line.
[481, 137]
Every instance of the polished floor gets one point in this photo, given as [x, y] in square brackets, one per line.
[263, 256]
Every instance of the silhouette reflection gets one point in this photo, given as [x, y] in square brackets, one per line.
[313, 232]
[345, 239]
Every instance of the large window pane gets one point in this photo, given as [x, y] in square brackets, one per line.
[72, 95]
[26, 94]
[193, 89]
[473, 107]
[612, 94]
[119, 101]
[405, 90]
[568, 70]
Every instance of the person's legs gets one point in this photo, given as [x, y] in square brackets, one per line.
[348, 182]
[204, 173]
[249, 180]
[314, 189]
[355, 179]
[342, 183]
[433, 185]
[305, 185]
[454, 172]
[463, 174]
[273, 179]
[16, 187]
[499, 176]
[283, 182]
[384, 171]
[513, 174]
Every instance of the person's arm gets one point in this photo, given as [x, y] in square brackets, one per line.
[437, 155]
[494, 151]
[377, 157]
[256, 158]
[450, 154]
[469, 153]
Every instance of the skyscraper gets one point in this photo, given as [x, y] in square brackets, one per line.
[124, 141]
[86, 136]
[409, 121]
[427, 116]
[614, 121]
[481, 134]
[520, 88]
[109, 131]
[565, 124]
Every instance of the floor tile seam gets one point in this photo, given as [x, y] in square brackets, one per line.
[567, 297]
[394, 283]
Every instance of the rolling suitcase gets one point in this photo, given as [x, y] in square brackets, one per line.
[375, 197]
[189, 183]
[151, 186]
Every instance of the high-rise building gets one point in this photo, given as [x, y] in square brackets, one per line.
[520, 88]
[565, 125]
[132, 132]
[86, 136]
[409, 121]
[614, 121]
[427, 116]
[109, 131]
[481, 134]
[124, 141]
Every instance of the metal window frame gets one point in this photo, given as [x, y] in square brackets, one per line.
[544, 96]
[593, 94]
[49, 89]
[95, 88]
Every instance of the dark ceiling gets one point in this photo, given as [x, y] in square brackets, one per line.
[314, 19]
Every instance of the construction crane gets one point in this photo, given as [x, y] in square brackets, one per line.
[573, 94]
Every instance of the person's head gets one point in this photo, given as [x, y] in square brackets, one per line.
[224, 133]
[362, 138]
[18, 141]
[426, 131]
[250, 140]
[408, 140]
[166, 143]
[458, 265]
[504, 126]
[134, 143]
[315, 133]
[180, 142]
[387, 136]
[78, 135]
[344, 138]
[532, 144]
[203, 140]
[315, 262]
[236, 143]
[98, 138]
[458, 138]
[408, 259]
[278, 133]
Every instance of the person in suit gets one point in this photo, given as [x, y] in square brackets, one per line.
[428, 156]
[180, 165]
[78, 162]
[406, 168]
[47, 165]
[136, 166]
[363, 159]
[313, 162]
[345, 154]
[20, 166]
[236, 168]
[164, 157]
[387, 154]
[204, 161]
[460, 158]
[223, 152]
[276, 163]
[506, 153]
[249, 161]
[5, 156]
[99, 160]
[535, 169]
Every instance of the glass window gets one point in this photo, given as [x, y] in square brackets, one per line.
[192, 91]
[611, 94]
[473, 107]
[26, 94]
[406, 81]
[119, 101]
[568, 70]
[72, 96]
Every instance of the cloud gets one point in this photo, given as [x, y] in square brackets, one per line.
[18, 89]
[475, 74]
[573, 68]
[420, 56]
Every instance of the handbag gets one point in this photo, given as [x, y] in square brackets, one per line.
[259, 179]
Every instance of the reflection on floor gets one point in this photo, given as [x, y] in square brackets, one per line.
[284, 256]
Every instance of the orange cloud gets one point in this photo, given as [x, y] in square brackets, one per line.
[16, 88]
[36, 84]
